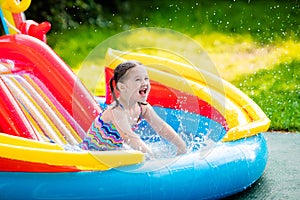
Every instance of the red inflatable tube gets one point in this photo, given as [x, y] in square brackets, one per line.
[9, 165]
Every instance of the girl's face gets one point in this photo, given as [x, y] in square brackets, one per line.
[136, 84]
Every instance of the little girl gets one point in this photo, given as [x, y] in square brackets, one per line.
[115, 125]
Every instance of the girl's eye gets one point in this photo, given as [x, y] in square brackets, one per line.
[140, 79]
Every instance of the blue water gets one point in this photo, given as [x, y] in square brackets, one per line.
[281, 179]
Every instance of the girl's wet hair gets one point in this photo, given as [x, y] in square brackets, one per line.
[119, 74]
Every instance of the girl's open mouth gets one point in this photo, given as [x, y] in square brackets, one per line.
[143, 91]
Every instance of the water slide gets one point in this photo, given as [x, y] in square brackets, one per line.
[42, 100]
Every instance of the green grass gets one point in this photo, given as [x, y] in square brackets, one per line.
[277, 92]
[74, 45]
[265, 22]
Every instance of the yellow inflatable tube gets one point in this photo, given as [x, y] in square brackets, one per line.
[9, 20]
[15, 6]
[8, 7]
[243, 116]
[27, 150]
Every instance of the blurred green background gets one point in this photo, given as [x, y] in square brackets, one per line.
[254, 44]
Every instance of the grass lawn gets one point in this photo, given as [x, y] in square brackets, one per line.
[277, 92]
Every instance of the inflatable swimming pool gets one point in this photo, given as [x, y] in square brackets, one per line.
[40, 94]
[46, 110]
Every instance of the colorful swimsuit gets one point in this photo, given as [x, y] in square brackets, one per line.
[104, 136]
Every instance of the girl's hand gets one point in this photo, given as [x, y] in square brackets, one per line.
[181, 150]
[149, 156]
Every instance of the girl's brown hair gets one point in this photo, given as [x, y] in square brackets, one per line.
[119, 74]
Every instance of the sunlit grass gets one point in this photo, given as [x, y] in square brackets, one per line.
[233, 55]
[277, 92]
[237, 55]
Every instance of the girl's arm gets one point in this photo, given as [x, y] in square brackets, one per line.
[130, 138]
[164, 129]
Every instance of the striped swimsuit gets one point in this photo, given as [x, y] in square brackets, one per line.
[104, 136]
